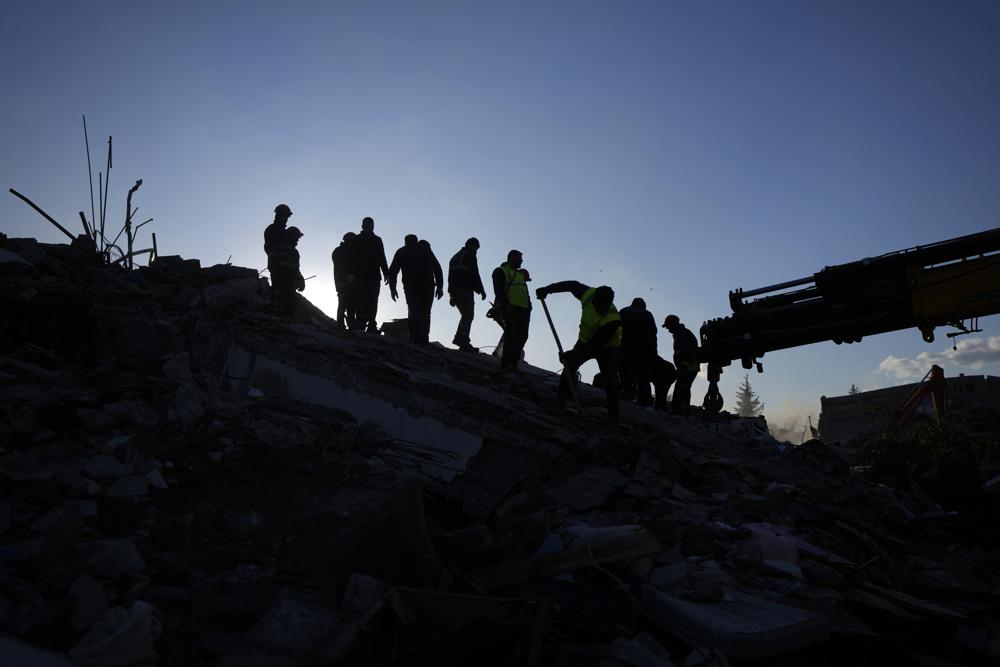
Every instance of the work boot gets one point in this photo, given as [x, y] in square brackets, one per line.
[466, 347]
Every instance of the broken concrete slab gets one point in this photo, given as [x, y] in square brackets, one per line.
[640, 651]
[77, 482]
[122, 637]
[618, 548]
[429, 627]
[130, 486]
[361, 594]
[112, 558]
[741, 625]
[155, 479]
[134, 411]
[242, 365]
[82, 509]
[25, 467]
[822, 575]
[104, 466]
[588, 489]
[18, 654]
[296, 628]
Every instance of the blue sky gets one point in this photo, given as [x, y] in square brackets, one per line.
[674, 150]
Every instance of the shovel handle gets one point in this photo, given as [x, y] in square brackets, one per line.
[572, 380]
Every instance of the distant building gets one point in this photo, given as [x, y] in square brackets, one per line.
[846, 418]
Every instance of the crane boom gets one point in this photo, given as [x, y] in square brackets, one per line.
[941, 284]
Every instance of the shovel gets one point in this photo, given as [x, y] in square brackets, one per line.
[572, 381]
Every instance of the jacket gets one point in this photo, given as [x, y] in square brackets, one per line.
[510, 287]
[463, 272]
[594, 327]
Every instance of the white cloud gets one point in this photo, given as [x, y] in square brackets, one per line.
[972, 354]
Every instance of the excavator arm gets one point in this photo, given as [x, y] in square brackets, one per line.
[948, 283]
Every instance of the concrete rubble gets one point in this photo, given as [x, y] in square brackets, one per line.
[187, 479]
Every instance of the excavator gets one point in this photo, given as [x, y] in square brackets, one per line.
[950, 283]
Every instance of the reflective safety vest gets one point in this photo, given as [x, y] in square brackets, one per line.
[591, 320]
[517, 288]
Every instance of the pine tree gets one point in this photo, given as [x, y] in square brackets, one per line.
[855, 389]
[747, 402]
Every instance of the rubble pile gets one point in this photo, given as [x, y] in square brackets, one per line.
[188, 479]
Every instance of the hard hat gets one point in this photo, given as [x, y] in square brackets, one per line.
[670, 321]
[294, 231]
[282, 209]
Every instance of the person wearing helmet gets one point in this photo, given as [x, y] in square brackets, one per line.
[344, 280]
[686, 361]
[286, 276]
[274, 234]
[600, 338]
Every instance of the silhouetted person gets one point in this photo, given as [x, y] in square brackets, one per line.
[662, 373]
[438, 274]
[686, 361]
[600, 338]
[463, 282]
[638, 351]
[422, 276]
[274, 233]
[513, 304]
[370, 268]
[344, 280]
[286, 277]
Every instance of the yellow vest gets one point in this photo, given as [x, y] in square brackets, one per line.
[591, 320]
[517, 288]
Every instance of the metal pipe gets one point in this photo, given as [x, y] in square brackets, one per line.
[90, 174]
[117, 236]
[773, 288]
[44, 214]
[129, 256]
[100, 205]
[107, 180]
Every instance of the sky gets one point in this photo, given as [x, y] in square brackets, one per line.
[672, 150]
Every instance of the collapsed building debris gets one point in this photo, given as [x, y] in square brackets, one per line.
[188, 479]
[867, 414]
